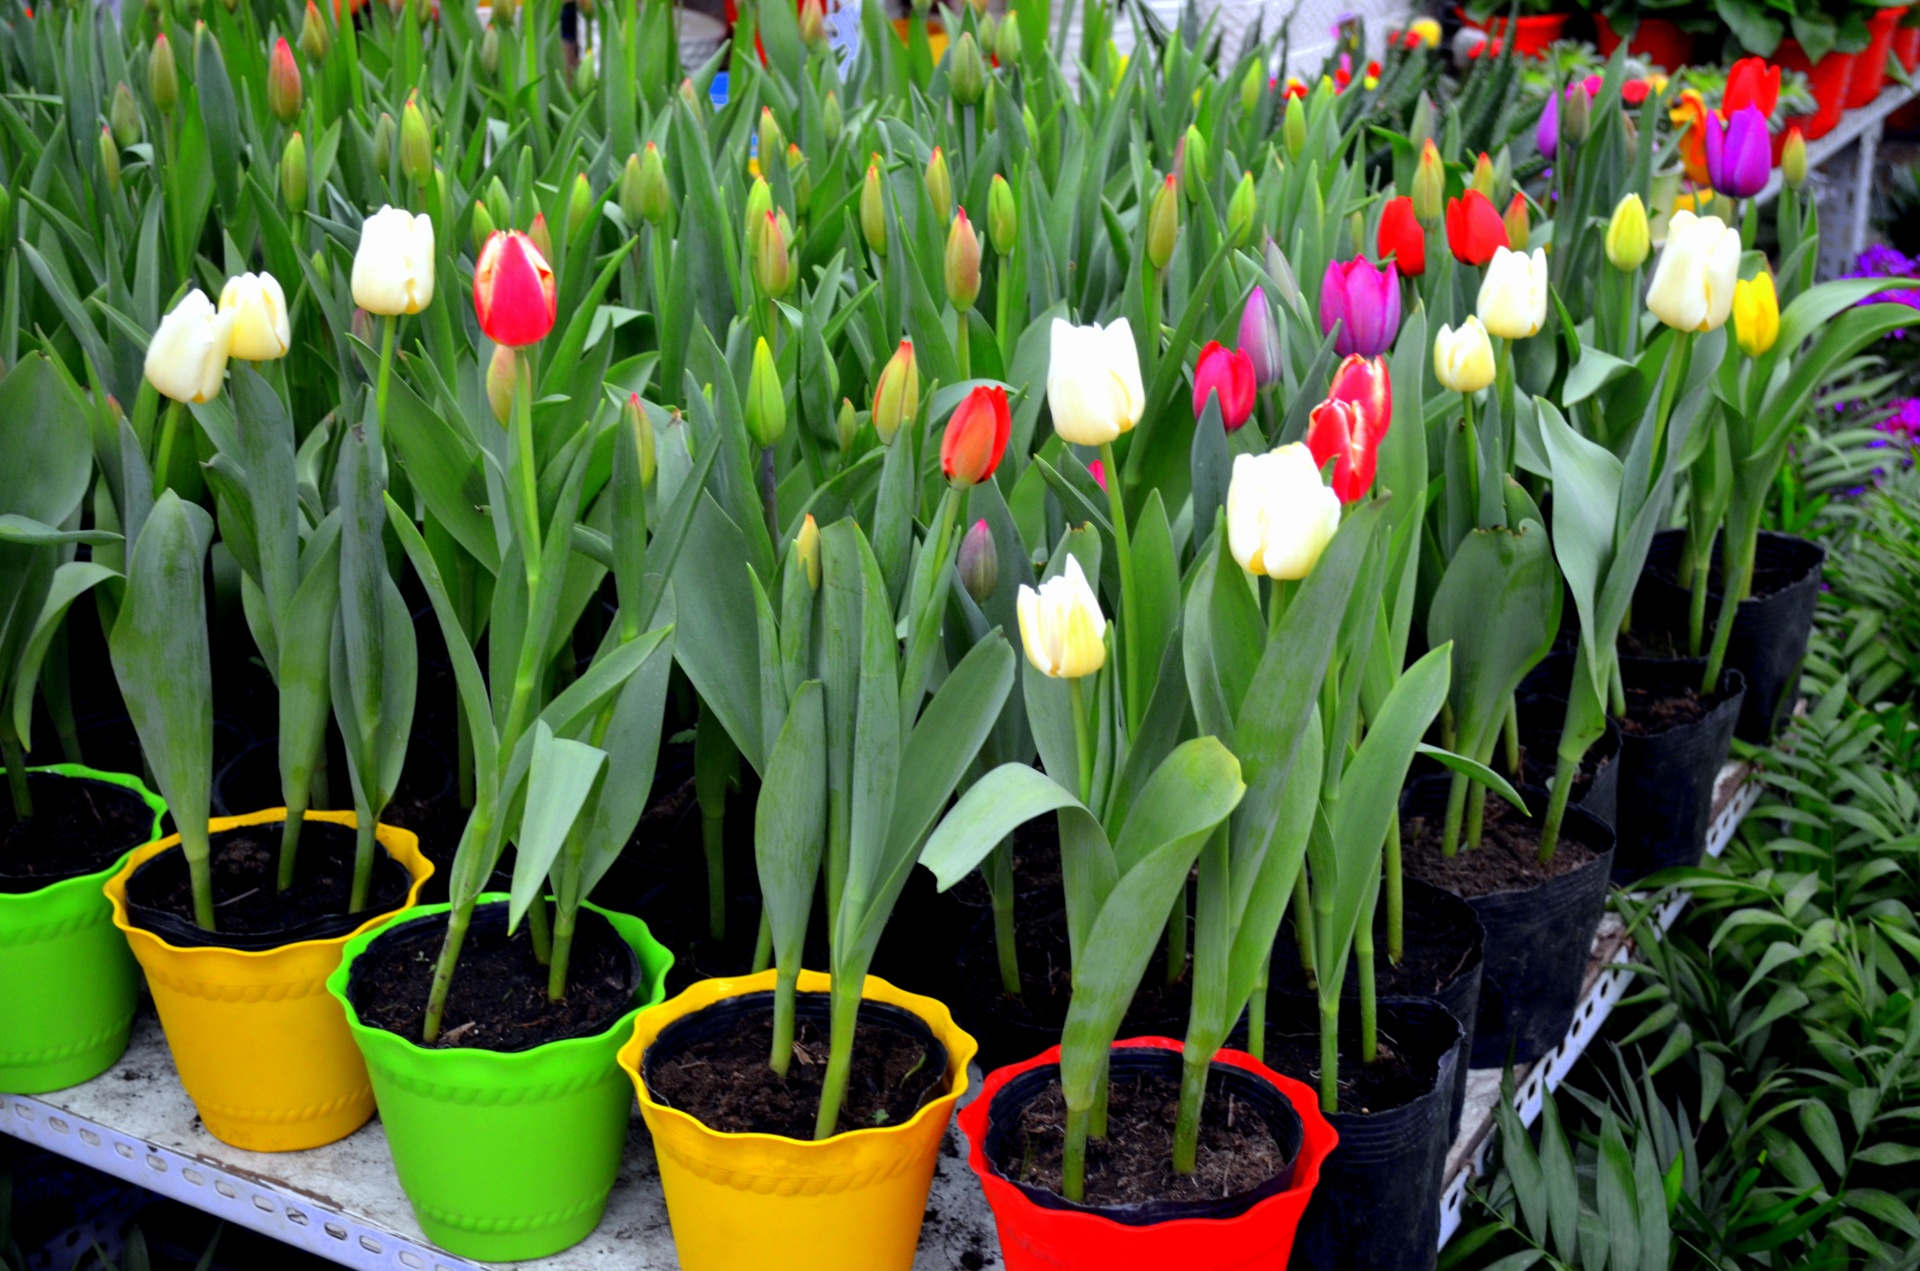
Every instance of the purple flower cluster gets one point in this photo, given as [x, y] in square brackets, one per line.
[1881, 261]
[1903, 425]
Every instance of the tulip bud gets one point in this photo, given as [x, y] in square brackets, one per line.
[500, 383]
[641, 426]
[1003, 215]
[896, 397]
[831, 119]
[125, 115]
[1793, 159]
[966, 71]
[163, 78]
[979, 563]
[630, 210]
[1628, 237]
[1006, 41]
[1250, 86]
[483, 226]
[1030, 123]
[383, 137]
[772, 266]
[798, 178]
[688, 93]
[1577, 119]
[314, 40]
[759, 203]
[586, 76]
[939, 182]
[1294, 128]
[1240, 212]
[1280, 271]
[283, 83]
[542, 236]
[846, 424]
[499, 205]
[813, 22]
[110, 157]
[490, 51]
[1259, 339]
[806, 551]
[1194, 168]
[579, 204]
[766, 399]
[1421, 130]
[963, 262]
[1163, 223]
[1482, 179]
[293, 173]
[990, 113]
[1756, 314]
[1430, 186]
[873, 210]
[1517, 223]
[416, 142]
[772, 141]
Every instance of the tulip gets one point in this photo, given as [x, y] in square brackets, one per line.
[490, 49]
[393, 268]
[873, 210]
[1689, 114]
[1628, 240]
[1251, 85]
[1756, 314]
[630, 210]
[1093, 382]
[1793, 159]
[1429, 185]
[259, 309]
[163, 78]
[976, 437]
[766, 405]
[1579, 120]
[385, 131]
[1739, 154]
[314, 40]
[963, 262]
[187, 356]
[1482, 179]
[293, 173]
[1474, 229]
[772, 263]
[1003, 215]
[1226, 374]
[1240, 211]
[579, 204]
[481, 224]
[1163, 223]
[110, 157]
[1365, 302]
[1098, 471]
[1546, 134]
[513, 291]
[1280, 274]
[797, 176]
[1194, 168]
[1463, 359]
[1400, 239]
[772, 142]
[541, 236]
[124, 115]
[896, 394]
[1061, 626]
[1513, 294]
[1293, 126]
[499, 207]
[1259, 338]
[641, 424]
[1751, 83]
[1006, 40]
[806, 548]
[832, 119]
[1518, 226]
[283, 83]
[1693, 281]
[979, 564]
[1334, 434]
[1280, 516]
[654, 195]
[812, 22]
[1365, 385]
[966, 71]
[500, 369]
[939, 183]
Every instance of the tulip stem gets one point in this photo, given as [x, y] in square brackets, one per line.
[770, 496]
[529, 474]
[1471, 440]
[1130, 635]
[1396, 895]
[385, 379]
[1082, 742]
[961, 339]
[1257, 1011]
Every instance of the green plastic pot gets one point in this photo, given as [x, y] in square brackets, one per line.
[67, 978]
[505, 1157]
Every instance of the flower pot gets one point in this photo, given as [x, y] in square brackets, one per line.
[1667, 774]
[1040, 1231]
[1870, 64]
[1538, 933]
[1536, 31]
[1770, 628]
[745, 1202]
[1906, 46]
[1596, 785]
[1378, 1204]
[67, 980]
[1828, 80]
[503, 1156]
[1658, 40]
[263, 1051]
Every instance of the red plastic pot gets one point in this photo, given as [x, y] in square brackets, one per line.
[1033, 1238]
[1906, 46]
[1536, 30]
[1658, 40]
[1870, 65]
[1829, 80]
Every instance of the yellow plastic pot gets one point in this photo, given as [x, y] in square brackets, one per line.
[261, 1046]
[746, 1202]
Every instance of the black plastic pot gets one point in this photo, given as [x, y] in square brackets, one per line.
[1666, 778]
[1377, 1207]
[1596, 787]
[1770, 629]
[1537, 938]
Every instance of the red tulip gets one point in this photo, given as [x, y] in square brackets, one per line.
[1228, 373]
[513, 291]
[1474, 228]
[1401, 238]
[1349, 426]
[283, 83]
[1751, 82]
[1098, 471]
[976, 437]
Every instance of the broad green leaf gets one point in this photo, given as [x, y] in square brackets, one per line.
[558, 783]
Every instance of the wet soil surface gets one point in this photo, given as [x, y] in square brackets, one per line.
[1506, 859]
[1654, 711]
[246, 867]
[78, 827]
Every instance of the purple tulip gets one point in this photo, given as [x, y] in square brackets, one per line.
[1546, 137]
[1739, 153]
[1259, 338]
[1365, 301]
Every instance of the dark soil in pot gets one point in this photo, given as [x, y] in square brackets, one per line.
[79, 826]
[712, 1065]
[1539, 919]
[1249, 1139]
[498, 1000]
[1596, 783]
[249, 910]
[1770, 628]
[1674, 741]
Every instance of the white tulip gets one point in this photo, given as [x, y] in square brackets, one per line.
[1693, 282]
[259, 309]
[393, 270]
[1061, 625]
[1513, 294]
[1093, 382]
[1280, 514]
[187, 357]
[1463, 359]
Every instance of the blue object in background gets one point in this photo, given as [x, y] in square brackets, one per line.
[718, 89]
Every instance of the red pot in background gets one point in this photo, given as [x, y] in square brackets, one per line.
[1906, 46]
[1870, 65]
[1034, 1238]
[1658, 40]
[1536, 31]
[1829, 79]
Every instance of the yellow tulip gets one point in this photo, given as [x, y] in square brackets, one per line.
[259, 309]
[1093, 382]
[1756, 314]
[1628, 236]
[1280, 514]
[1061, 625]
[187, 356]
[1513, 294]
[1692, 287]
[393, 268]
[1463, 359]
